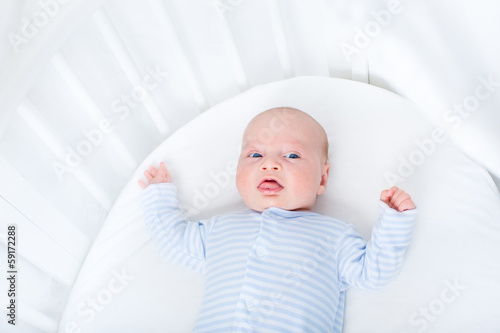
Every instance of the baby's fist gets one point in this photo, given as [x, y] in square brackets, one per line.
[397, 199]
[155, 176]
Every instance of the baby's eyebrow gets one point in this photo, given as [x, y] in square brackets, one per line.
[252, 144]
[299, 146]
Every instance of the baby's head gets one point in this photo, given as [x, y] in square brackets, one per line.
[283, 161]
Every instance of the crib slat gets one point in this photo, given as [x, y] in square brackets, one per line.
[36, 318]
[163, 18]
[115, 43]
[40, 127]
[16, 190]
[83, 97]
[38, 247]
[360, 68]
[334, 35]
[231, 47]
[280, 37]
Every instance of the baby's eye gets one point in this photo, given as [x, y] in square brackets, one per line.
[255, 155]
[292, 155]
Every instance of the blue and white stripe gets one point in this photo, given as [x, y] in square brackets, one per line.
[276, 271]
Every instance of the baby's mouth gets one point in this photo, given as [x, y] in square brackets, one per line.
[269, 186]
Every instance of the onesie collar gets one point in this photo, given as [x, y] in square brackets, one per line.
[282, 213]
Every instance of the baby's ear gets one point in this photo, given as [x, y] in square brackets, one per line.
[325, 172]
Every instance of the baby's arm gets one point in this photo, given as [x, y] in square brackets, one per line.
[178, 240]
[372, 264]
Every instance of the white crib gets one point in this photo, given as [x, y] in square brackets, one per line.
[89, 88]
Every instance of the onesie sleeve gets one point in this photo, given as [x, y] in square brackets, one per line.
[178, 240]
[371, 265]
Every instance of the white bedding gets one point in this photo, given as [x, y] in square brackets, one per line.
[450, 279]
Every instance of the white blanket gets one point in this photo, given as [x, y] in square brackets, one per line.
[450, 278]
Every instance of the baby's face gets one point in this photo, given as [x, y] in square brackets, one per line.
[283, 161]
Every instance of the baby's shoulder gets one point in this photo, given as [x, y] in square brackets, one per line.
[326, 224]
[236, 216]
[327, 220]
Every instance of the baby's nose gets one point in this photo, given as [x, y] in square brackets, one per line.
[270, 164]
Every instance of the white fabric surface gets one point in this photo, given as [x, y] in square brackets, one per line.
[449, 282]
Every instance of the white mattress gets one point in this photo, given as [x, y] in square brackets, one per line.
[449, 282]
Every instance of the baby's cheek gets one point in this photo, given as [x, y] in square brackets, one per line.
[242, 181]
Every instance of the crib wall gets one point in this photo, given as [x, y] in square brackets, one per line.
[89, 88]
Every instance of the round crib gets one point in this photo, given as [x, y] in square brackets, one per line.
[88, 89]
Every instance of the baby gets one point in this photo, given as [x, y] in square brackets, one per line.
[278, 267]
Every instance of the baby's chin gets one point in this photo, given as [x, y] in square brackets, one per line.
[259, 206]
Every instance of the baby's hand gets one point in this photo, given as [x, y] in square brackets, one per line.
[397, 199]
[155, 176]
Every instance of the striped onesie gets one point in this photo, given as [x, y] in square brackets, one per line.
[279, 270]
